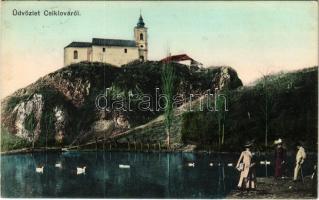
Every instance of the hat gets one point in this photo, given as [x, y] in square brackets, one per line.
[248, 144]
[279, 141]
[299, 143]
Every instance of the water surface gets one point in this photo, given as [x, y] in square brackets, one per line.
[157, 175]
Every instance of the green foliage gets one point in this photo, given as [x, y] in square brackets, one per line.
[47, 129]
[168, 90]
[220, 113]
[30, 122]
[9, 141]
[200, 128]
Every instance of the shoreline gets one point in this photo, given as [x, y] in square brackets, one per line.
[269, 188]
[181, 150]
[30, 150]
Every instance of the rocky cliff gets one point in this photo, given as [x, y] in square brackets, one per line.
[61, 108]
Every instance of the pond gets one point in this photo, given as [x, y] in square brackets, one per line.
[150, 175]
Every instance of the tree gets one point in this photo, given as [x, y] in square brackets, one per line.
[168, 87]
[269, 85]
[48, 121]
[30, 124]
[268, 90]
[220, 108]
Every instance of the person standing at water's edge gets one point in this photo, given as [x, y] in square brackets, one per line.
[300, 158]
[280, 156]
[243, 165]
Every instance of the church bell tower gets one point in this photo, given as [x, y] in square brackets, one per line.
[140, 35]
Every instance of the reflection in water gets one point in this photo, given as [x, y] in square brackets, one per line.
[159, 175]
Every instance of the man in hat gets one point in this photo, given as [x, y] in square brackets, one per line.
[280, 157]
[300, 158]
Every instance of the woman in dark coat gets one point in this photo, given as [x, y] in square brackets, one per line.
[280, 156]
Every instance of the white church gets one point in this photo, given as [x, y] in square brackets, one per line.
[112, 51]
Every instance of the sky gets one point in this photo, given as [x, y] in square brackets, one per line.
[254, 38]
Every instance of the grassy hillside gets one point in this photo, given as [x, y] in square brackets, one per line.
[286, 104]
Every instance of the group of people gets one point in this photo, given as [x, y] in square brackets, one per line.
[247, 165]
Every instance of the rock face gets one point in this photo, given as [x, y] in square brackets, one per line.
[59, 125]
[25, 109]
[103, 127]
[74, 91]
[60, 107]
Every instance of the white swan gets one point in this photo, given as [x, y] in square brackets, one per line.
[230, 164]
[80, 170]
[211, 164]
[265, 162]
[58, 165]
[39, 169]
[124, 166]
[191, 164]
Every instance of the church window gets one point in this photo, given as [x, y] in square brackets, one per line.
[141, 46]
[75, 55]
[125, 50]
[103, 49]
[141, 36]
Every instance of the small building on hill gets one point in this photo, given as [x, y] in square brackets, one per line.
[112, 51]
[182, 59]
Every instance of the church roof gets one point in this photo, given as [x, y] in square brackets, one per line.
[140, 23]
[104, 42]
[177, 58]
[113, 42]
[79, 44]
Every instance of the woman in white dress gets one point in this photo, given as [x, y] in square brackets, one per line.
[243, 165]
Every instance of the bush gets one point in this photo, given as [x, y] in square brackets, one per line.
[10, 141]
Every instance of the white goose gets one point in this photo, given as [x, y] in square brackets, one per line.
[58, 165]
[191, 164]
[124, 166]
[39, 169]
[80, 170]
[265, 162]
